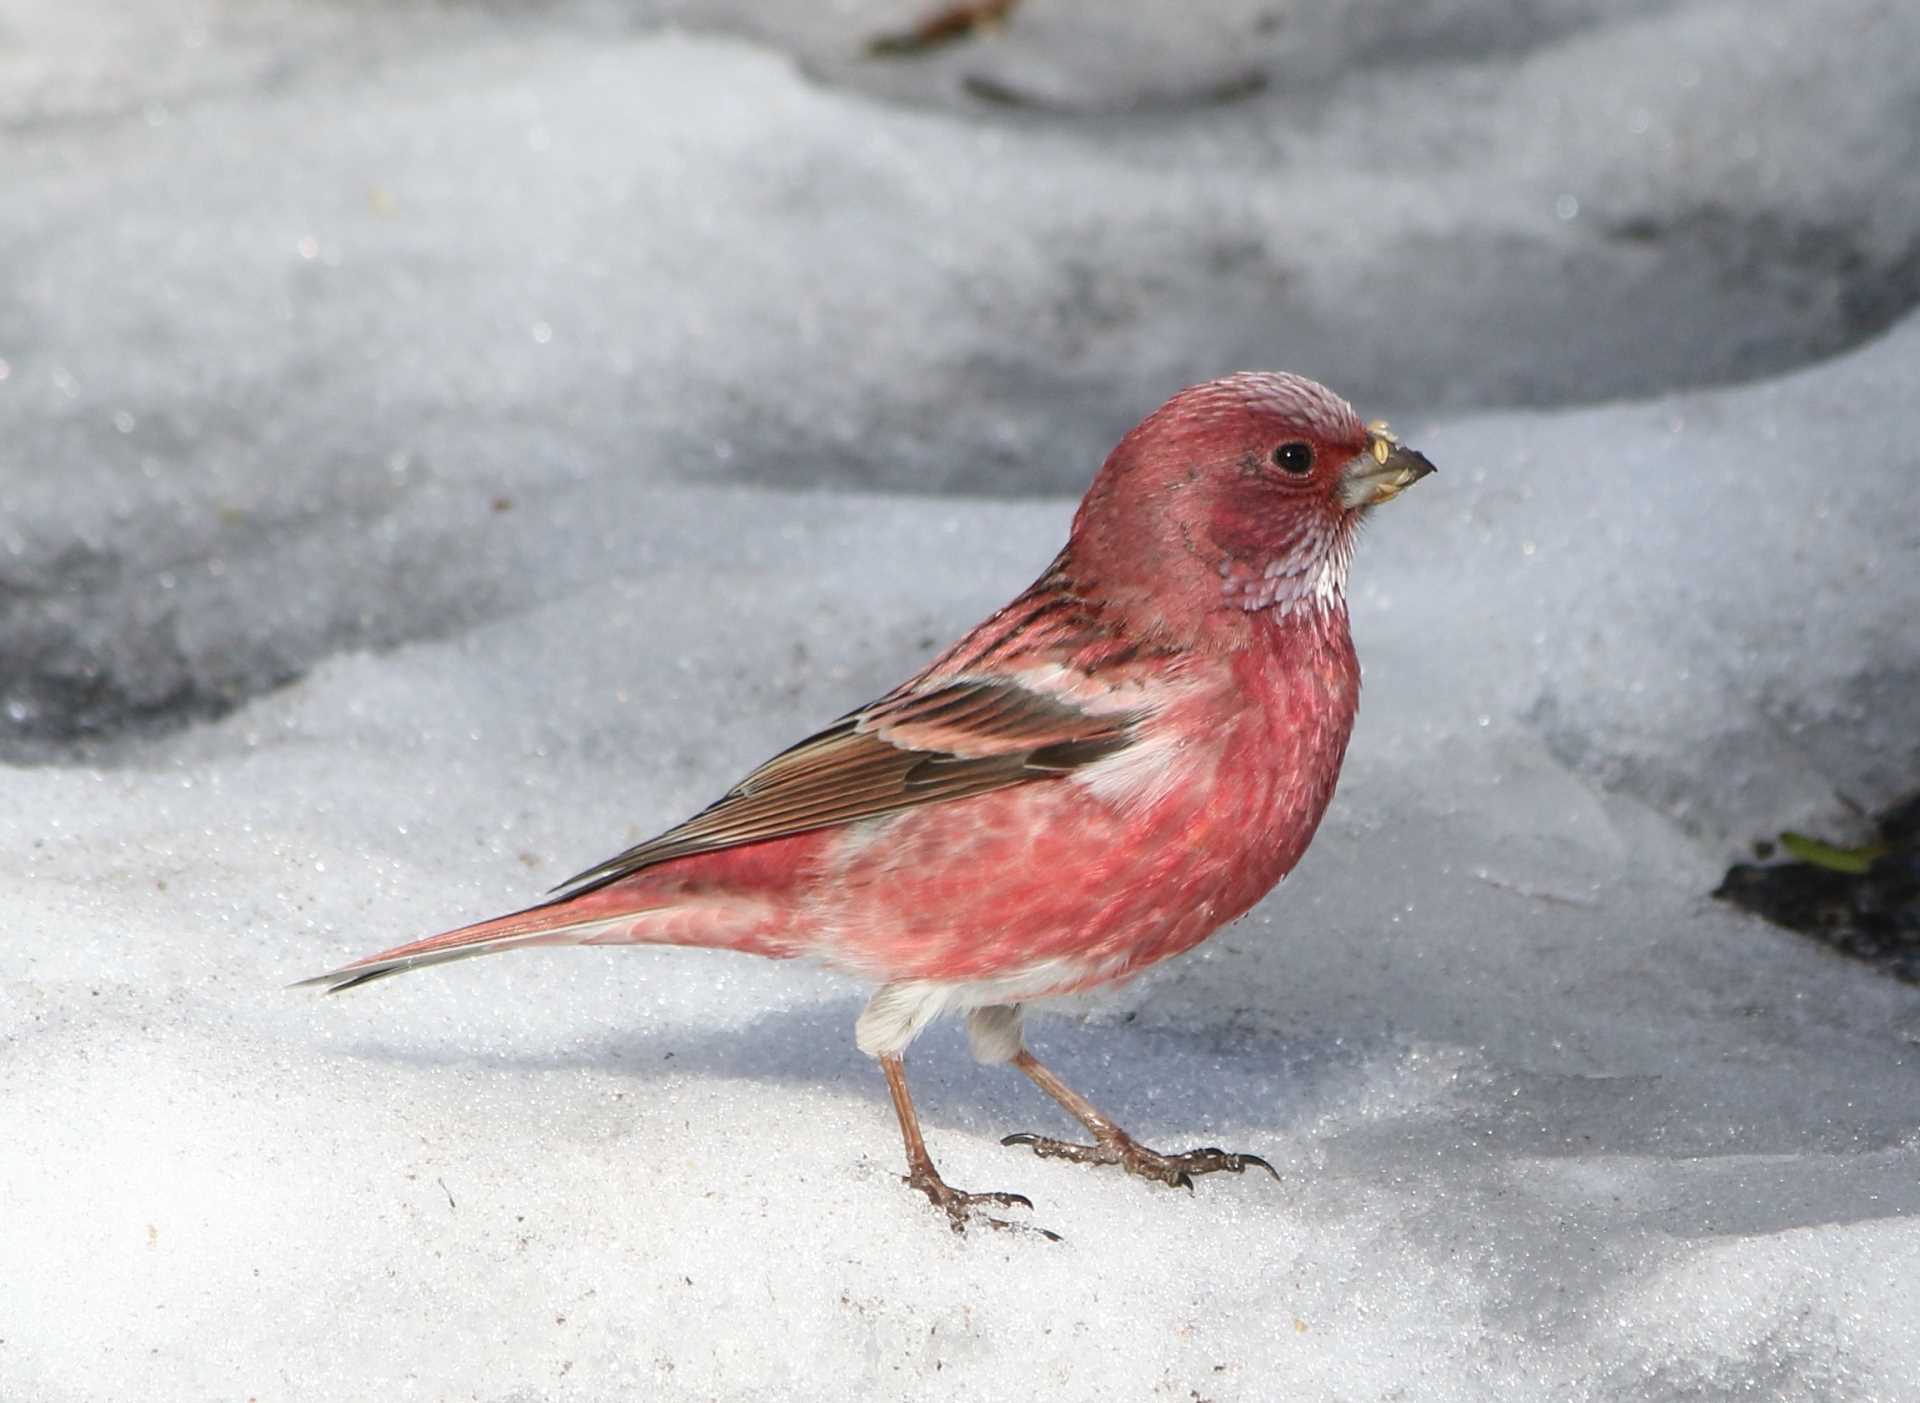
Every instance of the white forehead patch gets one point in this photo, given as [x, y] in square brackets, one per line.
[1308, 403]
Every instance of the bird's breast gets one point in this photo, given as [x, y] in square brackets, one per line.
[1127, 862]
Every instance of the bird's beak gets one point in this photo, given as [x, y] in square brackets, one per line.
[1382, 472]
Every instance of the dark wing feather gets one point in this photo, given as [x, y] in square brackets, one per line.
[967, 737]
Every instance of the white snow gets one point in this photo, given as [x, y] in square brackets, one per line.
[278, 408]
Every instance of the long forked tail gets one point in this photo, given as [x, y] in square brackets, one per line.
[565, 922]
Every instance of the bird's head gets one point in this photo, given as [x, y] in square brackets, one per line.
[1237, 497]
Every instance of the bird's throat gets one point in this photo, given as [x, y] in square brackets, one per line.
[1310, 575]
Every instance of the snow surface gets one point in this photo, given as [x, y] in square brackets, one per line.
[440, 445]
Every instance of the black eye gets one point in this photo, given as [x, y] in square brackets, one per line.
[1295, 457]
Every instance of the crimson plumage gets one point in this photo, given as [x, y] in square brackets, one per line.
[1097, 777]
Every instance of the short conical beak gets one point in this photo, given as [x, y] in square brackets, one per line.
[1383, 472]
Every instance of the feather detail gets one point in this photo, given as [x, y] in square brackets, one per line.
[961, 739]
[547, 924]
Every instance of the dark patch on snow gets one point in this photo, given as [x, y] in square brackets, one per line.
[1870, 913]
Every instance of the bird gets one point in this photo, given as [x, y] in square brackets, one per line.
[1097, 777]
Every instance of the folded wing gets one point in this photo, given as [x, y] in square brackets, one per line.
[956, 739]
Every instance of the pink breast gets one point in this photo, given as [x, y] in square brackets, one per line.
[1053, 874]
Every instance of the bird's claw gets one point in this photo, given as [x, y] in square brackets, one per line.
[959, 1205]
[1176, 1171]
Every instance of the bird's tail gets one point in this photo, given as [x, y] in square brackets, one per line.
[570, 921]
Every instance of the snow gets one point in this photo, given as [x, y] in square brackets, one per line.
[442, 445]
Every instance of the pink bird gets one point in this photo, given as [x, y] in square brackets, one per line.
[1106, 771]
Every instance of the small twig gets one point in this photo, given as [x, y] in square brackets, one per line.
[946, 26]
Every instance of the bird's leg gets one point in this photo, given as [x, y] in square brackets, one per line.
[921, 1174]
[1112, 1145]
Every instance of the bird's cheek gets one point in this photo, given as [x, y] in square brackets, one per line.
[1253, 523]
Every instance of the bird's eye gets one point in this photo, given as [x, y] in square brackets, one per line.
[1294, 457]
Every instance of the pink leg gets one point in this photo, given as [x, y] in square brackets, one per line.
[1112, 1145]
[921, 1174]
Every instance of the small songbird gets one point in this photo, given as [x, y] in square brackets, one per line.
[1106, 771]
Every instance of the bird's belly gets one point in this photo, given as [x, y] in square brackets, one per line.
[1052, 887]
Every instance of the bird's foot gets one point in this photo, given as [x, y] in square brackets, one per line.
[962, 1207]
[1175, 1171]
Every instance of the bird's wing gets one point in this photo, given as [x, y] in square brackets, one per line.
[954, 738]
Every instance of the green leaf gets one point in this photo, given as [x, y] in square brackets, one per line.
[1854, 861]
